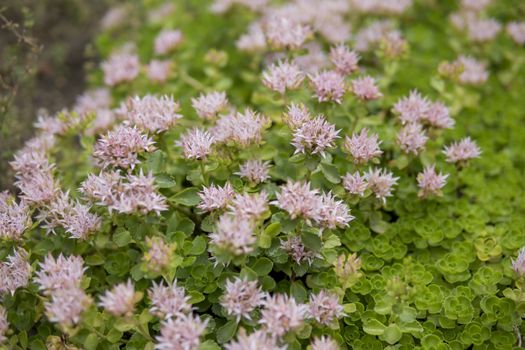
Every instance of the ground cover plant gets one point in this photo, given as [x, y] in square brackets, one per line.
[251, 174]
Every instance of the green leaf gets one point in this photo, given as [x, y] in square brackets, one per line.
[248, 274]
[198, 246]
[114, 335]
[155, 162]
[122, 238]
[195, 297]
[412, 327]
[226, 332]
[273, 229]
[392, 334]
[95, 259]
[209, 345]
[331, 173]
[262, 266]
[298, 291]
[311, 241]
[164, 181]
[297, 158]
[373, 327]
[188, 197]
[123, 325]
[349, 308]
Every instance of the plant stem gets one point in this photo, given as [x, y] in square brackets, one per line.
[185, 77]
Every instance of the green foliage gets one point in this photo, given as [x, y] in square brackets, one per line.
[430, 274]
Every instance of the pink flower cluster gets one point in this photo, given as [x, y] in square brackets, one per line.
[152, 113]
[121, 67]
[121, 147]
[15, 272]
[209, 105]
[299, 200]
[238, 128]
[129, 194]
[15, 217]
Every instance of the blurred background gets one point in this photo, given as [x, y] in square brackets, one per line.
[44, 53]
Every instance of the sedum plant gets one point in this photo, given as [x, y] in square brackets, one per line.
[278, 175]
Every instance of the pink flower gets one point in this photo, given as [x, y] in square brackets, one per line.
[258, 340]
[474, 71]
[381, 6]
[242, 129]
[314, 60]
[438, 116]
[93, 101]
[161, 12]
[516, 30]
[282, 314]
[181, 333]
[462, 151]
[362, 147]
[250, 206]
[121, 147]
[196, 144]
[67, 305]
[38, 187]
[254, 40]
[370, 36]
[15, 217]
[233, 235]
[29, 161]
[315, 136]
[120, 300]
[168, 300]
[344, 59]
[299, 200]
[120, 67]
[241, 297]
[365, 88]
[483, 30]
[104, 120]
[138, 195]
[152, 113]
[101, 188]
[328, 86]
[412, 138]
[159, 70]
[74, 217]
[413, 108]
[297, 250]
[282, 76]
[475, 5]
[324, 343]
[159, 254]
[79, 222]
[518, 265]
[60, 273]
[15, 272]
[114, 17]
[215, 197]
[325, 308]
[284, 32]
[355, 184]
[209, 105]
[255, 171]
[333, 213]
[333, 27]
[167, 40]
[430, 182]
[296, 115]
[380, 182]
